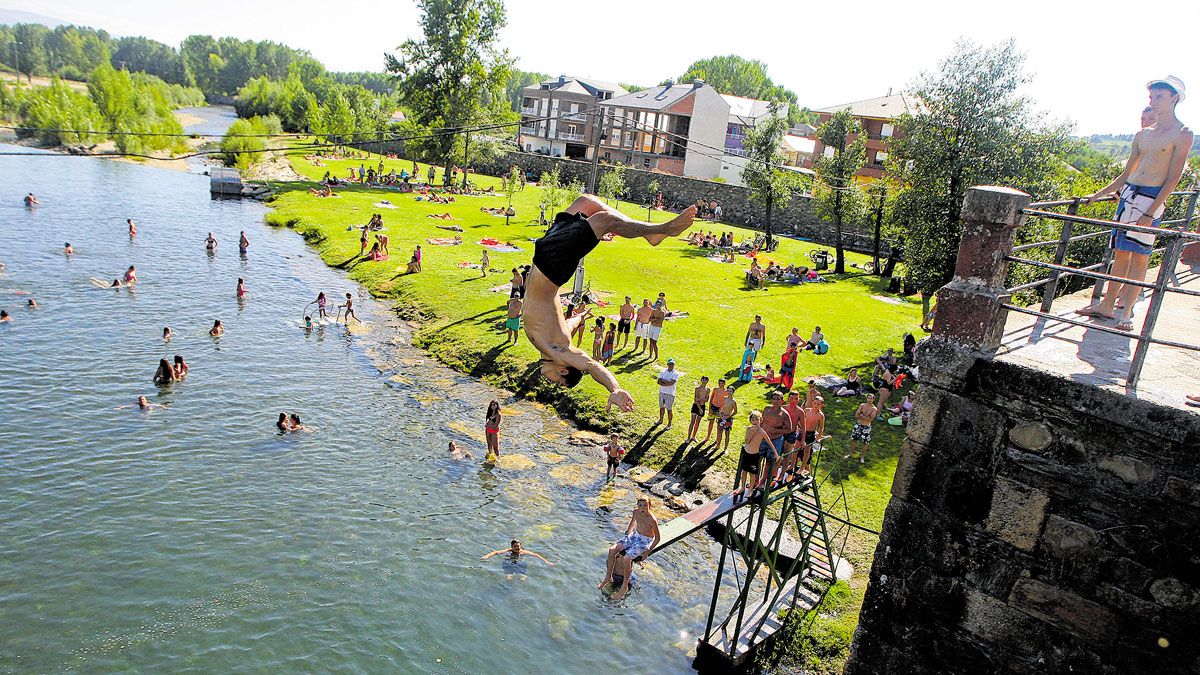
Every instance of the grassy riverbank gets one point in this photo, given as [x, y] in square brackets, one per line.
[460, 315]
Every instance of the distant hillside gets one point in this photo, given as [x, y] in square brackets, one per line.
[11, 16]
[1117, 146]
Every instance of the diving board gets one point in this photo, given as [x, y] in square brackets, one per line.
[693, 520]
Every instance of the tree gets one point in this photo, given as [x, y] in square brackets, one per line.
[612, 183]
[112, 90]
[455, 77]
[517, 81]
[556, 192]
[651, 196]
[770, 186]
[970, 128]
[149, 56]
[511, 183]
[838, 196]
[744, 77]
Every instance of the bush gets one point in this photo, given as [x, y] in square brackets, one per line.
[244, 142]
[57, 106]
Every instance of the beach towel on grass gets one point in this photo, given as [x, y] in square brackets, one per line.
[443, 241]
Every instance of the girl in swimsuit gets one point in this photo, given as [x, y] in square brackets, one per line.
[165, 374]
[321, 304]
[241, 288]
[491, 428]
[180, 367]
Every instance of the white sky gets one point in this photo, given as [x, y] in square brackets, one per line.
[1090, 60]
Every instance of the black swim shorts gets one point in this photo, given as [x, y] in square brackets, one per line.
[559, 251]
[623, 326]
[749, 462]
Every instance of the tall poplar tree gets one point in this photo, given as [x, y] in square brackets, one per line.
[838, 196]
[455, 77]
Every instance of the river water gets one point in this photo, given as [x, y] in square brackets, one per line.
[195, 537]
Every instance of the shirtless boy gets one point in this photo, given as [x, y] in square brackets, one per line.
[132, 227]
[349, 307]
[814, 431]
[638, 542]
[699, 401]
[243, 243]
[1155, 164]
[642, 320]
[714, 407]
[792, 440]
[658, 314]
[776, 422]
[210, 243]
[860, 436]
[756, 334]
[750, 461]
[556, 255]
[623, 324]
[614, 451]
[512, 323]
[725, 418]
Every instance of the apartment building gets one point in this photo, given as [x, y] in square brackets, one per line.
[673, 128]
[555, 117]
[877, 116]
[744, 114]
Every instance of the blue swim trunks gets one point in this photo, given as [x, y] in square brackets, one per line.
[1135, 201]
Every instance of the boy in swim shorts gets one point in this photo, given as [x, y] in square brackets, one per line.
[614, 452]
[638, 542]
[714, 407]
[556, 255]
[1156, 161]
[512, 324]
[626, 320]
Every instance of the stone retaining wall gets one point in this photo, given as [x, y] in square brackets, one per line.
[1036, 524]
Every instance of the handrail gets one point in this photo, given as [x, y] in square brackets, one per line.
[1174, 234]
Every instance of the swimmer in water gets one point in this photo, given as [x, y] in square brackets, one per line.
[241, 288]
[217, 330]
[68, 250]
[307, 322]
[282, 423]
[516, 551]
[4, 316]
[167, 334]
[132, 227]
[116, 283]
[32, 304]
[210, 243]
[180, 368]
[295, 425]
[30, 200]
[459, 454]
[131, 275]
[243, 243]
[142, 404]
[165, 373]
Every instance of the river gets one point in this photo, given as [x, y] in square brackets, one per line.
[195, 537]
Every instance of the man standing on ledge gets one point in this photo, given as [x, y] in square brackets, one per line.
[573, 235]
[1156, 162]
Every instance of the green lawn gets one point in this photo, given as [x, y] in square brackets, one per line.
[461, 324]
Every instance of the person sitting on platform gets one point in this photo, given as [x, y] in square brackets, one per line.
[638, 542]
[556, 256]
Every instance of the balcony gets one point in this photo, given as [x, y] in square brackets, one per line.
[529, 110]
[566, 136]
[578, 117]
[532, 131]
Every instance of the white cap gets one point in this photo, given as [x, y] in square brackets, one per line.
[1172, 82]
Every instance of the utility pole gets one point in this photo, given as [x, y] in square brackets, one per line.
[466, 143]
[597, 137]
[17, 61]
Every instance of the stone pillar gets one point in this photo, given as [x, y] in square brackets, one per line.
[969, 311]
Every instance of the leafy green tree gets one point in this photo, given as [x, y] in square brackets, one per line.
[243, 143]
[150, 56]
[198, 52]
[742, 77]
[837, 195]
[612, 183]
[112, 90]
[337, 118]
[58, 106]
[30, 43]
[557, 192]
[517, 81]
[770, 186]
[455, 76]
[971, 128]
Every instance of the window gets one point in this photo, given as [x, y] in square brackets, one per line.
[887, 131]
[828, 151]
[528, 102]
[574, 107]
[880, 158]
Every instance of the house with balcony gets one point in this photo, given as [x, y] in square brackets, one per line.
[673, 128]
[878, 117]
[555, 115]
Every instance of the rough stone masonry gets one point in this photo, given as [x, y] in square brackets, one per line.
[1037, 525]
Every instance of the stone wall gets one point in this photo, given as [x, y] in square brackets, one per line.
[798, 219]
[1036, 524]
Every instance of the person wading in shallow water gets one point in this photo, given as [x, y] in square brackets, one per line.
[491, 430]
[556, 256]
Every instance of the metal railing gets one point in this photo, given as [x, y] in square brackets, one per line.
[529, 110]
[1173, 235]
[568, 136]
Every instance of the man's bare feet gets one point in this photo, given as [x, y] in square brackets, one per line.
[673, 227]
[1093, 311]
